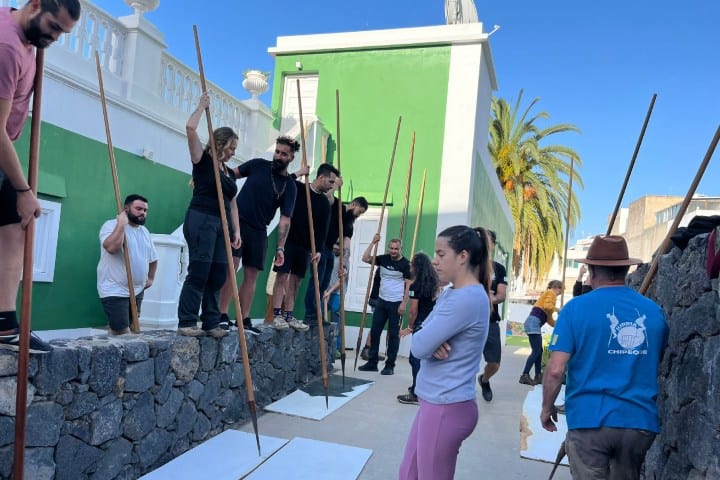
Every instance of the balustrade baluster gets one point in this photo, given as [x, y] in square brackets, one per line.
[107, 45]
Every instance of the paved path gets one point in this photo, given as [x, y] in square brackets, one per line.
[376, 420]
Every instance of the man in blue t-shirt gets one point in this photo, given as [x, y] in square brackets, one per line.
[611, 340]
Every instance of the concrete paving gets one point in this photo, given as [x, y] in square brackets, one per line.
[377, 421]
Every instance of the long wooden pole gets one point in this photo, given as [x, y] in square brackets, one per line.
[419, 213]
[118, 203]
[403, 219]
[567, 230]
[341, 240]
[683, 208]
[323, 149]
[406, 199]
[374, 256]
[313, 253]
[228, 251]
[27, 278]
[632, 164]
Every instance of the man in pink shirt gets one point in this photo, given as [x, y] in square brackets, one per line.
[36, 25]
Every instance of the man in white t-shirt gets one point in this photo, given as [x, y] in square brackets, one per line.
[112, 282]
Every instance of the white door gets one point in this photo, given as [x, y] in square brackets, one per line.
[365, 228]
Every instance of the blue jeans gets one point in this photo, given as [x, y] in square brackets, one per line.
[535, 357]
[325, 267]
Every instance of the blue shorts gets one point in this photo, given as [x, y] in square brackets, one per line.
[533, 325]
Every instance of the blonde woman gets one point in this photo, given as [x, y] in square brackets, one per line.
[203, 228]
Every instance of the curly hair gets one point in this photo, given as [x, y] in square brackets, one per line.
[425, 277]
[290, 142]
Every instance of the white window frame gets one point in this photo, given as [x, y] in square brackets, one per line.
[47, 228]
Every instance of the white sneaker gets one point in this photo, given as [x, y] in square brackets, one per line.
[279, 323]
[298, 325]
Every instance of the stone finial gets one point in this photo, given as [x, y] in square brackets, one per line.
[143, 6]
[256, 82]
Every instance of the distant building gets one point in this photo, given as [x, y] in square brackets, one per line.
[650, 217]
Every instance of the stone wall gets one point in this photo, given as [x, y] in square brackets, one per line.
[689, 445]
[102, 408]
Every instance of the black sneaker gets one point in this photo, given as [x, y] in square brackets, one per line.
[37, 345]
[364, 353]
[368, 367]
[387, 371]
[224, 321]
[486, 390]
[409, 399]
[247, 324]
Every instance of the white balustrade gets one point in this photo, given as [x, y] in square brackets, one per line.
[125, 45]
[180, 88]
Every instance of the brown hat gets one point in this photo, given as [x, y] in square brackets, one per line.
[609, 251]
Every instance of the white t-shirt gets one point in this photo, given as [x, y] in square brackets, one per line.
[111, 276]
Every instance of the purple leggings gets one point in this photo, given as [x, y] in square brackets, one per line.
[435, 438]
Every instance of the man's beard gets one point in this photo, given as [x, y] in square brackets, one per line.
[135, 220]
[35, 35]
[278, 166]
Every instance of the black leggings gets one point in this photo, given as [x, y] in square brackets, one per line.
[535, 356]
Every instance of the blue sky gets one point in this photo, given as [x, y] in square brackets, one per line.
[593, 64]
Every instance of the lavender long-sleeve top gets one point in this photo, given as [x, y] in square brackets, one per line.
[460, 317]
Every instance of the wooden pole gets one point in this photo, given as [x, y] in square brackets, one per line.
[419, 212]
[403, 219]
[406, 199]
[341, 241]
[374, 256]
[228, 251]
[323, 149]
[683, 208]
[27, 278]
[567, 230]
[632, 164]
[313, 253]
[118, 203]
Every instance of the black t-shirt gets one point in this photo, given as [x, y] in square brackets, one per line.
[425, 305]
[299, 228]
[393, 274]
[258, 200]
[499, 276]
[204, 196]
[333, 231]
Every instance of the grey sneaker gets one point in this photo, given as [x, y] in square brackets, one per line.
[298, 325]
[191, 331]
[217, 332]
[279, 323]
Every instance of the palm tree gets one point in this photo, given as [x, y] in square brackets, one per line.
[535, 179]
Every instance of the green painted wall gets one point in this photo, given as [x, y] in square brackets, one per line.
[487, 210]
[71, 299]
[375, 88]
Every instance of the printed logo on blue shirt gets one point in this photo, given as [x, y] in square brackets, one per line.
[627, 337]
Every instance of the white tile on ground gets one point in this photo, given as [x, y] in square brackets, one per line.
[302, 404]
[536, 443]
[227, 456]
[305, 459]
